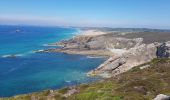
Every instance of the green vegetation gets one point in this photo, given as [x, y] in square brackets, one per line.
[98, 90]
[136, 84]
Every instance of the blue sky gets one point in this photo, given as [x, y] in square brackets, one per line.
[108, 13]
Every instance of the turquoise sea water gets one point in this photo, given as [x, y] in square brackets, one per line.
[31, 72]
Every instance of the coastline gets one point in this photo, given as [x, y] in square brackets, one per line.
[83, 36]
[124, 56]
[124, 53]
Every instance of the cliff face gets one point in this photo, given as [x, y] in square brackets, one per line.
[163, 51]
[99, 42]
[101, 45]
[133, 57]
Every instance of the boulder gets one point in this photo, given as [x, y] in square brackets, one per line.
[162, 97]
[163, 51]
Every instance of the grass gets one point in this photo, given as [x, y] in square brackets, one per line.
[135, 84]
[64, 90]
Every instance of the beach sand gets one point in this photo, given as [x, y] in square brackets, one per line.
[92, 33]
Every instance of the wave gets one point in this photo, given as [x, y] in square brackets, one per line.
[68, 81]
[12, 55]
[76, 33]
[5, 56]
[95, 57]
[12, 69]
[19, 55]
[45, 45]
[35, 51]
[49, 45]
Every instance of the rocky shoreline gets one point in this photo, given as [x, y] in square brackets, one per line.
[124, 53]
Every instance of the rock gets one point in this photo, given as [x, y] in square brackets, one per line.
[163, 51]
[93, 45]
[106, 43]
[162, 97]
[133, 57]
[146, 66]
[141, 89]
[113, 65]
[71, 92]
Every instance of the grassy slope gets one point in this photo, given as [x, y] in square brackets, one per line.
[135, 84]
[150, 37]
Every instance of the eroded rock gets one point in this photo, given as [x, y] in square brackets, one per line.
[162, 97]
[133, 57]
[163, 51]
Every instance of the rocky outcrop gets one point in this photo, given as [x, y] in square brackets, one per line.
[99, 42]
[71, 92]
[162, 97]
[102, 45]
[163, 51]
[133, 57]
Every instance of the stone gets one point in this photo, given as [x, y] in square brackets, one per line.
[71, 92]
[163, 51]
[162, 97]
[133, 57]
[143, 67]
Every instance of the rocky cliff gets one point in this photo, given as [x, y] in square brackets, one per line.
[163, 51]
[133, 57]
[100, 45]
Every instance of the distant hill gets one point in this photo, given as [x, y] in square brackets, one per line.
[126, 29]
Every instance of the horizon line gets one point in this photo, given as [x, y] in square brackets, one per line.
[72, 26]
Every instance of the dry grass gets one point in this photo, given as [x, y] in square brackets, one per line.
[150, 37]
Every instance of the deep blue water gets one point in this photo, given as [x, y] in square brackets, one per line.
[32, 72]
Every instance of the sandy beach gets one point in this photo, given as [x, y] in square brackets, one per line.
[92, 33]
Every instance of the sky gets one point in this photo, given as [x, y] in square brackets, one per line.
[92, 13]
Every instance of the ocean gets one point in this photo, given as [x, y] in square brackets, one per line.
[28, 71]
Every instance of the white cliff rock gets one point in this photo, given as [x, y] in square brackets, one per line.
[132, 57]
[162, 97]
